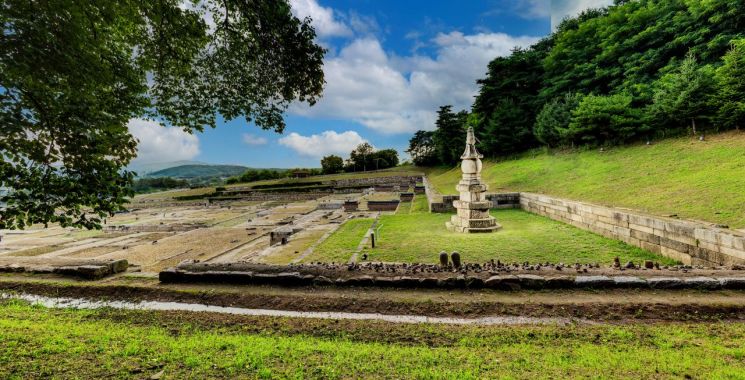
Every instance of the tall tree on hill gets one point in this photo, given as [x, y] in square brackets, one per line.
[361, 157]
[684, 96]
[73, 73]
[508, 100]
[450, 135]
[422, 149]
[731, 81]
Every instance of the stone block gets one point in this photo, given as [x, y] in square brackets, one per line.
[665, 282]
[704, 234]
[645, 236]
[675, 245]
[629, 282]
[170, 275]
[651, 247]
[736, 253]
[737, 283]
[322, 281]
[93, 272]
[675, 255]
[707, 283]
[506, 282]
[531, 281]
[474, 283]
[597, 282]
[361, 281]
[455, 282]
[118, 266]
[641, 228]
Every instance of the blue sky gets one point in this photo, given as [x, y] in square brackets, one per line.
[390, 65]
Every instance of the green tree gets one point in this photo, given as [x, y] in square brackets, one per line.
[361, 157]
[384, 159]
[450, 136]
[685, 95]
[730, 78]
[422, 149]
[508, 101]
[332, 164]
[552, 123]
[600, 120]
[73, 73]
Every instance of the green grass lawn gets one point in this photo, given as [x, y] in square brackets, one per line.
[340, 246]
[47, 343]
[419, 237]
[684, 176]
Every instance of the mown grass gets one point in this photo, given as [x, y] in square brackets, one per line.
[419, 237]
[46, 343]
[340, 246]
[683, 176]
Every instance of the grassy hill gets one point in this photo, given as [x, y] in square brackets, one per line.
[694, 179]
[199, 171]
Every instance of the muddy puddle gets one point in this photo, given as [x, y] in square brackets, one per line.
[81, 303]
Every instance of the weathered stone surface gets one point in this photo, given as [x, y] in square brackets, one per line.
[457, 282]
[665, 282]
[474, 283]
[629, 282]
[531, 281]
[507, 282]
[93, 272]
[733, 283]
[702, 283]
[361, 281]
[559, 282]
[593, 282]
[322, 281]
[118, 266]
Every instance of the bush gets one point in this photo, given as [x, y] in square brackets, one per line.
[600, 120]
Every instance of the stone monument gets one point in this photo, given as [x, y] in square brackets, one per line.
[473, 208]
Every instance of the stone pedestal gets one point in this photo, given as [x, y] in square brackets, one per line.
[472, 207]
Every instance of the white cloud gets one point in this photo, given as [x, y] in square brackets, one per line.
[250, 139]
[393, 94]
[324, 22]
[561, 9]
[162, 144]
[328, 142]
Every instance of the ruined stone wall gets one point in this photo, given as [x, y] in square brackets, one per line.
[693, 243]
[382, 205]
[389, 181]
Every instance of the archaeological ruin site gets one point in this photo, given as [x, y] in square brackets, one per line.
[328, 189]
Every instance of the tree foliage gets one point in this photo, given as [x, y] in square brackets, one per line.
[449, 135]
[332, 164]
[730, 78]
[364, 157]
[552, 122]
[684, 96]
[422, 149]
[73, 73]
[602, 120]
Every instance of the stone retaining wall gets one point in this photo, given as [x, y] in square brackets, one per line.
[693, 243]
[499, 282]
[382, 205]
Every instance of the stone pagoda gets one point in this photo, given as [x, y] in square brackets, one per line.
[473, 208]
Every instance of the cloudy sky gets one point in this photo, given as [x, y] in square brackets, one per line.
[390, 65]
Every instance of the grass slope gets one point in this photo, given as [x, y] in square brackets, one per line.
[683, 176]
[44, 343]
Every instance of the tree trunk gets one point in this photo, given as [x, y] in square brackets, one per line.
[693, 124]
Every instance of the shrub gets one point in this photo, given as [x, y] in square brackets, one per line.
[600, 120]
[552, 123]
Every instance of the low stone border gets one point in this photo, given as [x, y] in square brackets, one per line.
[93, 270]
[498, 282]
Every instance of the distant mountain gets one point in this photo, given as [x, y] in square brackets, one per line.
[145, 169]
[199, 171]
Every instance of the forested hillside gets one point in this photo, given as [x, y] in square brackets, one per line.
[639, 70]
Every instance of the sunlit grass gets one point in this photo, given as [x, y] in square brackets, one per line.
[44, 343]
[683, 176]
